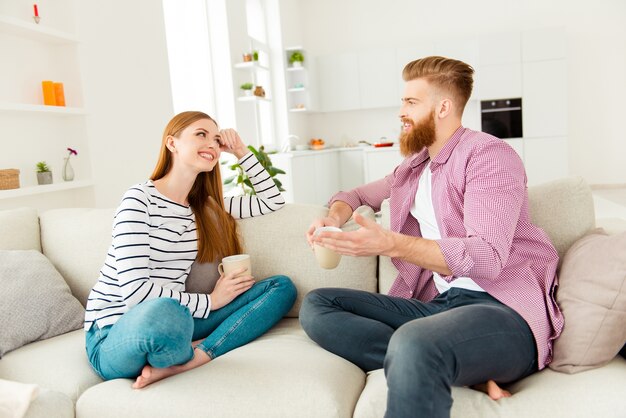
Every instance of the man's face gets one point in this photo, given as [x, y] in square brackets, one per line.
[418, 117]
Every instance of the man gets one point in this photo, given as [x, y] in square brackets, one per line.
[474, 296]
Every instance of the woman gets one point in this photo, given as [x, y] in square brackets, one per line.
[140, 322]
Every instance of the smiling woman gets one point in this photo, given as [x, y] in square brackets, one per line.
[161, 227]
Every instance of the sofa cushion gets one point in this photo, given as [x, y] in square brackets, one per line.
[35, 302]
[278, 245]
[58, 363]
[592, 296]
[563, 209]
[50, 403]
[77, 241]
[281, 374]
[19, 229]
[543, 394]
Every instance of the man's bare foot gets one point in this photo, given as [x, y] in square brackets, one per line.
[151, 374]
[492, 389]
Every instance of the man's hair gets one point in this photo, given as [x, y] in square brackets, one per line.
[453, 76]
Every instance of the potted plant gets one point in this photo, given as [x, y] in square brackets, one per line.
[296, 59]
[255, 55]
[247, 88]
[44, 175]
[241, 178]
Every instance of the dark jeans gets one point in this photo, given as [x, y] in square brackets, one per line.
[460, 338]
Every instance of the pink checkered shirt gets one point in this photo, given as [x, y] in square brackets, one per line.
[481, 205]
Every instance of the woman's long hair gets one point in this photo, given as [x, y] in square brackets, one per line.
[216, 229]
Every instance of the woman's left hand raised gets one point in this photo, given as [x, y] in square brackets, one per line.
[231, 142]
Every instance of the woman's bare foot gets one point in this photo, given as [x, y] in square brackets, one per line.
[151, 374]
[492, 389]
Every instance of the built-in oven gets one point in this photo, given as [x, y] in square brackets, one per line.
[502, 117]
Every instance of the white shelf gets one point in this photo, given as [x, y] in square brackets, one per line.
[55, 110]
[249, 65]
[295, 68]
[46, 188]
[296, 89]
[298, 110]
[252, 99]
[18, 27]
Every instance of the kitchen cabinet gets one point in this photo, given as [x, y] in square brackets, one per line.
[544, 105]
[312, 177]
[338, 82]
[377, 79]
[545, 159]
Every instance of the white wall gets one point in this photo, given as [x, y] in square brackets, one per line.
[127, 91]
[596, 62]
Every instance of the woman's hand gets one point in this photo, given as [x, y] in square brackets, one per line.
[231, 142]
[228, 287]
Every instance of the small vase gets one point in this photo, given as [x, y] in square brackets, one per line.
[68, 171]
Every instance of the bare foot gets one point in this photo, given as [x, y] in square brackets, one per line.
[151, 374]
[195, 343]
[492, 389]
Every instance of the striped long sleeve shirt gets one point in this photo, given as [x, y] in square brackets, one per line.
[154, 244]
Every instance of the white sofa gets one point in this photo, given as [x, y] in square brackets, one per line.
[283, 373]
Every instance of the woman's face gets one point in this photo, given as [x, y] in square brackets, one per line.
[197, 147]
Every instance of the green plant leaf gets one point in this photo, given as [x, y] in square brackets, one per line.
[230, 179]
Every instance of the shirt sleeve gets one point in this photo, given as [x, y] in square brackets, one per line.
[371, 194]
[495, 191]
[131, 251]
[267, 199]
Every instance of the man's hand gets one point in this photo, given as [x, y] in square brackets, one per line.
[318, 223]
[228, 287]
[231, 142]
[370, 239]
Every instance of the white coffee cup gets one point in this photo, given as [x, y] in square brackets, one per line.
[235, 262]
[327, 258]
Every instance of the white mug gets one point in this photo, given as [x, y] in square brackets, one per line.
[327, 258]
[235, 262]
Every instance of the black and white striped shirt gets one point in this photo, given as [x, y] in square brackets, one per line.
[154, 243]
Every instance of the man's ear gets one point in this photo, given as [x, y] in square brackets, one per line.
[444, 108]
[170, 143]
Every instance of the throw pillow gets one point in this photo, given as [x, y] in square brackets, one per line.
[35, 301]
[592, 297]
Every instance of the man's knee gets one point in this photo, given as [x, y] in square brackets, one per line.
[413, 347]
[314, 304]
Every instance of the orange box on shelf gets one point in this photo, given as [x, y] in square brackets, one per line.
[48, 93]
[59, 94]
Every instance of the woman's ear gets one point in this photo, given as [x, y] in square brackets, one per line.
[170, 143]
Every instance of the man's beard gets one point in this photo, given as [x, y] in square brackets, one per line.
[421, 135]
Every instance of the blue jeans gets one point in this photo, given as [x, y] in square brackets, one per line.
[460, 338]
[159, 331]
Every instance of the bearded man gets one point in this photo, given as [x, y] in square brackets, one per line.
[473, 299]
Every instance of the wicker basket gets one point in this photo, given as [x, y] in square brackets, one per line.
[9, 179]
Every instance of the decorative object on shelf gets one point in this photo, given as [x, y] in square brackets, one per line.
[9, 179]
[255, 55]
[44, 175]
[296, 59]
[36, 17]
[68, 171]
[49, 98]
[317, 143]
[59, 94]
[259, 91]
[247, 89]
[247, 57]
[242, 180]
[298, 86]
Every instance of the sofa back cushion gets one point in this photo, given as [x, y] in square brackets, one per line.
[562, 208]
[19, 229]
[77, 240]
